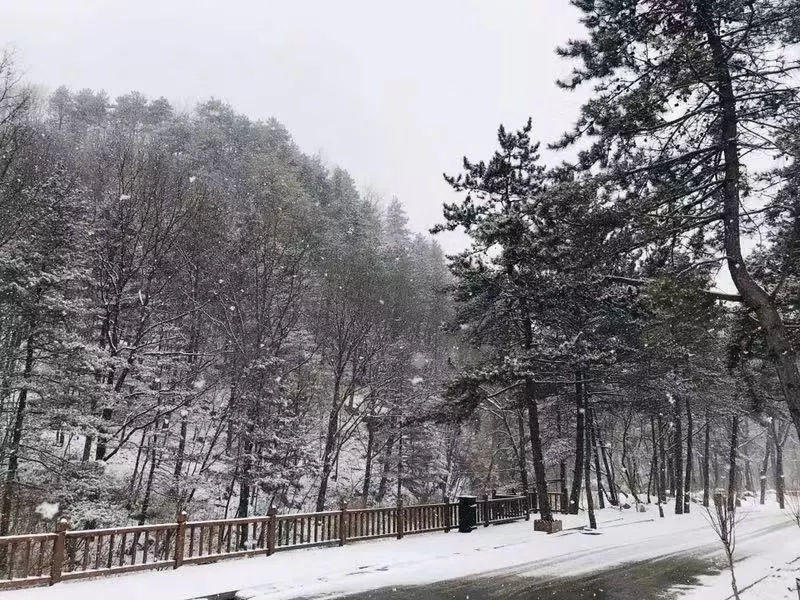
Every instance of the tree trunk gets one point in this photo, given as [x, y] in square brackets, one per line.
[650, 474]
[102, 439]
[732, 483]
[244, 478]
[588, 482]
[580, 444]
[765, 467]
[330, 441]
[659, 479]
[748, 473]
[150, 477]
[706, 460]
[545, 513]
[16, 438]
[523, 467]
[662, 475]
[562, 465]
[612, 488]
[678, 459]
[368, 463]
[132, 488]
[671, 461]
[779, 479]
[593, 445]
[383, 484]
[87, 446]
[181, 449]
[689, 457]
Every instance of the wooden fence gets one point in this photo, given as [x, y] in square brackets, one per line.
[47, 558]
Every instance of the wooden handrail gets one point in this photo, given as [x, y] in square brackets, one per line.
[41, 558]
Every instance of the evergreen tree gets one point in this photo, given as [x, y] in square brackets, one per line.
[687, 96]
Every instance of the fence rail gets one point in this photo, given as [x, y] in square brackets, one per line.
[47, 558]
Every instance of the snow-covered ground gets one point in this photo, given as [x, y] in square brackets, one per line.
[766, 536]
[766, 568]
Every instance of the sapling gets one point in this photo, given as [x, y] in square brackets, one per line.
[723, 520]
[792, 503]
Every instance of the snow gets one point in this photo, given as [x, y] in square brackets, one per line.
[47, 510]
[765, 534]
[768, 576]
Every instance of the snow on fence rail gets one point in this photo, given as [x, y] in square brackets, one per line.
[47, 558]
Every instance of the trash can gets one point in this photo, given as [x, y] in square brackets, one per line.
[467, 513]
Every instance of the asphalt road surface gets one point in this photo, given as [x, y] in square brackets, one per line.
[656, 578]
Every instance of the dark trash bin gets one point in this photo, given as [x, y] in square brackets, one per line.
[467, 513]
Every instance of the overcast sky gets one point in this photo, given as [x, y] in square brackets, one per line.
[396, 93]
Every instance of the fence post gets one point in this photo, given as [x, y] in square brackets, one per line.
[526, 505]
[401, 519]
[57, 562]
[180, 536]
[486, 510]
[447, 523]
[272, 529]
[343, 524]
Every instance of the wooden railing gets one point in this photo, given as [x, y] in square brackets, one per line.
[27, 559]
[47, 558]
[502, 510]
[558, 502]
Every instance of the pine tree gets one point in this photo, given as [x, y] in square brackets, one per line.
[687, 94]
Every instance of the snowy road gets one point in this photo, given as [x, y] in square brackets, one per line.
[498, 556]
[636, 573]
[634, 558]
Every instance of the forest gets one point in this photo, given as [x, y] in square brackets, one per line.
[195, 315]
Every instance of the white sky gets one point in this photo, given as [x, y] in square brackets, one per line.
[396, 92]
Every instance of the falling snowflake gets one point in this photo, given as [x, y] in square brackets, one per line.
[47, 510]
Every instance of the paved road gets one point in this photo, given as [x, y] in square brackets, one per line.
[631, 581]
[659, 576]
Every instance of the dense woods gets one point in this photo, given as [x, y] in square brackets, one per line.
[195, 315]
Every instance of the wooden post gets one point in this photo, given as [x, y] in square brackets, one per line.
[401, 519]
[343, 524]
[57, 562]
[180, 536]
[272, 513]
[447, 523]
[485, 510]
